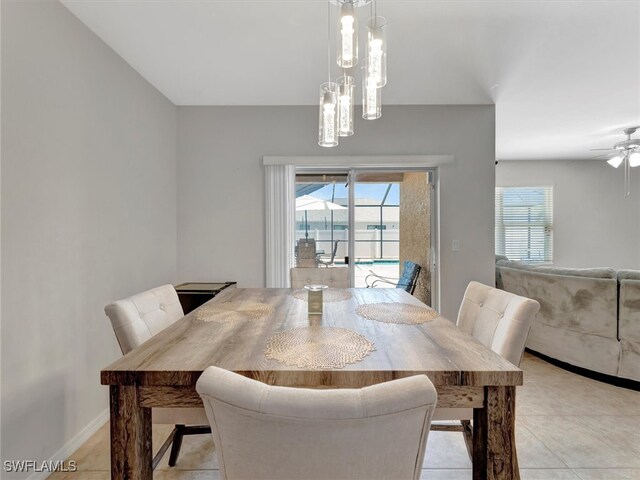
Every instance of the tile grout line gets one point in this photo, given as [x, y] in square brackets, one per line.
[542, 443]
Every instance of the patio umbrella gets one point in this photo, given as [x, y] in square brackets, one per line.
[307, 202]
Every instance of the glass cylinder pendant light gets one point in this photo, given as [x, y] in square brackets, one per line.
[346, 100]
[328, 130]
[371, 99]
[347, 30]
[376, 68]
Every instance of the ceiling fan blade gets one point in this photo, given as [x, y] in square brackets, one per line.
[601, 155]
[612, 131]
[596, 149]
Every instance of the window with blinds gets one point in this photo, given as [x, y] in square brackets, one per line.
[524, 223]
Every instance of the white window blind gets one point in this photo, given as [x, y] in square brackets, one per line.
[524, 223]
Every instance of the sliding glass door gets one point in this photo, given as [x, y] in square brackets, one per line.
[392, 223]
[376, 227]
[322, 216]
[370, 221]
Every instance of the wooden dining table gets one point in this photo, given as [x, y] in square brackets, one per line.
[164, 370]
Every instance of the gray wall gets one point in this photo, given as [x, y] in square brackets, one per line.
[89, 205]
[221, 183]
[88, 216]
[595, 225]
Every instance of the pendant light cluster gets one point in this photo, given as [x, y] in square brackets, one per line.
[337, 98]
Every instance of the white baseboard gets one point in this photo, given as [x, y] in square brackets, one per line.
[73, 444]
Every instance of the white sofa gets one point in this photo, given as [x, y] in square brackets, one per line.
[582, 320]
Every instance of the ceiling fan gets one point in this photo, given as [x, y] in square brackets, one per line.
[625, 153]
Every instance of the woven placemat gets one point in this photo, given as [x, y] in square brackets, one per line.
[233, 312]
[328, 294]
[318, 347]
[403, 313]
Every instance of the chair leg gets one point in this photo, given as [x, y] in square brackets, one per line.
[163, 449]
[467, 431]
[196, 430]
[177, 443]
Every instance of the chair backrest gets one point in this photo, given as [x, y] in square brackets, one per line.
[306, 253]
[337, 277]
[334, 251]
[409, 277]
[263, 431]
[499, 320]
[331, 261]
[138, 318]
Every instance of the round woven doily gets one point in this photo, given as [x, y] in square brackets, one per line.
[233, 312]
[403, 313]
[328, 294]
[318, 347]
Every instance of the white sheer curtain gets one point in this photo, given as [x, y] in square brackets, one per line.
[280, 202]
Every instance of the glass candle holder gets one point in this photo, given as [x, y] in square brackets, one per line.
[314, 298]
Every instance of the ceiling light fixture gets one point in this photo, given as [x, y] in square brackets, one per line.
[615, 161]
[371, 99]
[328, 132]
[347, 36]
[329, 122]
[627, 154]
[346, 86]
[376, 68]
[337, 99]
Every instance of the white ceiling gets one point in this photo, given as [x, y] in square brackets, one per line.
[564, 75]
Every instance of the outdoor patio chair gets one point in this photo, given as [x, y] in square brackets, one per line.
[407, 281]
[331, 262]
[332, 277]
[305, 253]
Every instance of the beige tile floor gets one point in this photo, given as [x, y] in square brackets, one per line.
[568, 427]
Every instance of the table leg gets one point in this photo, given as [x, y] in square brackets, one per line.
[131, 453]
[494, 445]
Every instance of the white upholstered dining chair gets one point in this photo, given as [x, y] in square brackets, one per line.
[267, 432]
[135, 320]
[337, 277]
[500, 321]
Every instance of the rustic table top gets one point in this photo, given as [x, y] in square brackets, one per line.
[180, 353]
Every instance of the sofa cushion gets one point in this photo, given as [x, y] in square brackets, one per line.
[592, 352]
[629, 360]
[628, 275]
[629, 309]
[572, 272]
[579, 303]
